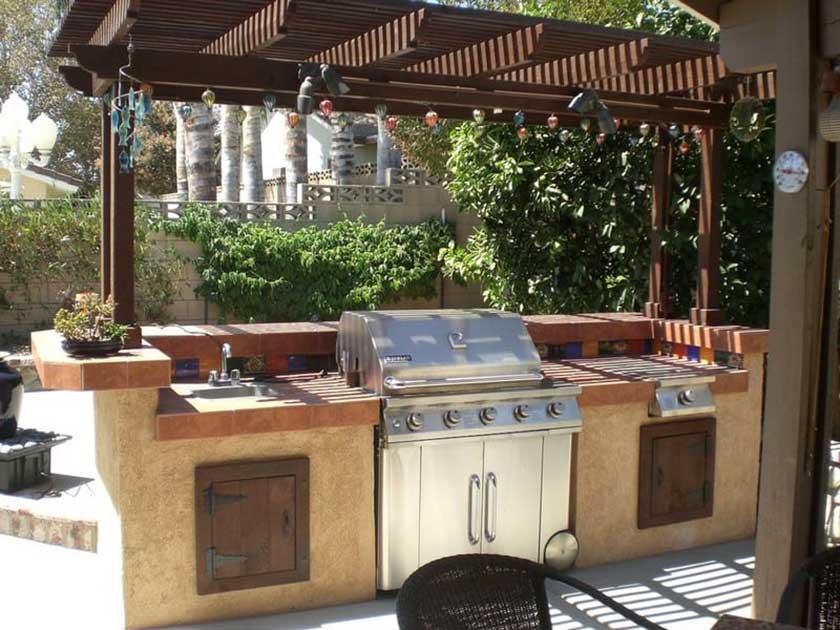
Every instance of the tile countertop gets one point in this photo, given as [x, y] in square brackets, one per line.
[310, 401]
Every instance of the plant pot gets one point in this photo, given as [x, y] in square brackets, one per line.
[91, 348]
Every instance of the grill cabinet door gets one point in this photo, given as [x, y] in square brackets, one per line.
[512, 496]
[252, 525]
[451, 494]
[676, 480]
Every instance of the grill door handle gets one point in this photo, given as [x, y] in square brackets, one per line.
[491, 507]
[474, 512]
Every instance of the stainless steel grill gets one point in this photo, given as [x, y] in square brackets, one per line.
[474, 443]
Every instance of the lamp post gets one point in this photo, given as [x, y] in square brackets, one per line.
[21, 138]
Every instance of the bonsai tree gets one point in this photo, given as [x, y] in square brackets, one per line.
[90, 320]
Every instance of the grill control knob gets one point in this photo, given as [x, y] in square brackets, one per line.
[521, 413]
[489, 415]
[414, 421]
[452, 418]
[556, 409]
[687, 397]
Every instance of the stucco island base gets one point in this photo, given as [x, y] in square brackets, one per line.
[150, 535]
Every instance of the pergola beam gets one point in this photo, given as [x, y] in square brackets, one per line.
[586, 67]
[394, 39]
[261, 30]
[489, 57]
[185, 69]
[117, 23]
[680, 76]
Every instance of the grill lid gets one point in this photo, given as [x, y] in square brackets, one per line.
[412, 352]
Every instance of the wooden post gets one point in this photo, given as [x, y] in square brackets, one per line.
[122, 242]
[105, 201]
[707, 310]
[658, 305]
[787, 513]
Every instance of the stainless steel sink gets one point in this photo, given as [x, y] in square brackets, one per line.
[223, 392]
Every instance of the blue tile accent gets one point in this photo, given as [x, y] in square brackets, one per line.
[186, 369]
[573, 351]
[693, 353]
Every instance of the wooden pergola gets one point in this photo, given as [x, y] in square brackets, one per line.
[411, 56]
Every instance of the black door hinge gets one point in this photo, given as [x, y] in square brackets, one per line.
[212, 500]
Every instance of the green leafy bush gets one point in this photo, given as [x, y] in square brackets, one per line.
[259, 272]
[566, 224]
[57, 245]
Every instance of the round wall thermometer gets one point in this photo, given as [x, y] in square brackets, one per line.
[791, 172]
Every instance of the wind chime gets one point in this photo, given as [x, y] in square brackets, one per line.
[131, 102]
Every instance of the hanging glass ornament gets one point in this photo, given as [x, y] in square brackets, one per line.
[432, 119]
[185, 110]
[381, 111]
[585, 124]
[655, 140]
[479, 116]
[125, 162]
[674, 130]
[601, 138]
[565, 134]
[269, 101]
[747, 119]
[685, 147]
[391, 123]
[523, 133]
[293, 118]
[136, 145]
[617, 122]
[132, 99]
[553, 122]
[241, 115]
[148, 89]
[343, 121]
[519, 118]
[208, 97]
[326, 106]
[644, 130]
[437, 129]
[115, 119]
[698, 132]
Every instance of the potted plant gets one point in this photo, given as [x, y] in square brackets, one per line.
[88, 328]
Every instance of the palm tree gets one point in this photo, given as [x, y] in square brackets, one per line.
[296, 159]
[231, 152]
[252, 169]
[180, 154]
[341, 153]
[201, 166]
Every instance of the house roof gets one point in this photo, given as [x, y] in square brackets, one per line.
[411, 54]
[60, 181]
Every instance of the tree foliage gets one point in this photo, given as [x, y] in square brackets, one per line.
[155, 165]
[256, 271]
[25, 32]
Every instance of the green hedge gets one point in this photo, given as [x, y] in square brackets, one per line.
[255, 271]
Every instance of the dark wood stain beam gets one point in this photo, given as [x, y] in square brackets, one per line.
[586, 67]
[117, 23]
[265, 27]
[396, 38]
[488, 57]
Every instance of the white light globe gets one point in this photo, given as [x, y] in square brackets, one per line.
[45, 133]
[27, 138]
[17, 111]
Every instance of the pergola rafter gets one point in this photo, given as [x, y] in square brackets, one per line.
[259, 31]
[394, 39]
[489, 57]
[680, 76]
[116, 23]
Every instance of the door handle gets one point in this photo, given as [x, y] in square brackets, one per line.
[490, 507]
[474, 514]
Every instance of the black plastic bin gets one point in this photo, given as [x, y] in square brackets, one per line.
[25, 458]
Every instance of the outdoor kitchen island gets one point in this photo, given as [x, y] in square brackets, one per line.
[152, 435]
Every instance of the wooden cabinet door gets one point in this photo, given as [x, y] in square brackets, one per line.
[676, 472]
[252, 525]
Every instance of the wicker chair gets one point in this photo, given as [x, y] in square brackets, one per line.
[822, 575]
[487, 592]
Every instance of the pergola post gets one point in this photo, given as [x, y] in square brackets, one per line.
[658, 305]
[105, 201]
[122, 242]
[707, 311]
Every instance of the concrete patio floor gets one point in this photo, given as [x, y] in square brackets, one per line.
[59, 588]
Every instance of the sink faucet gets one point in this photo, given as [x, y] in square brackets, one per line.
[226, 354]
